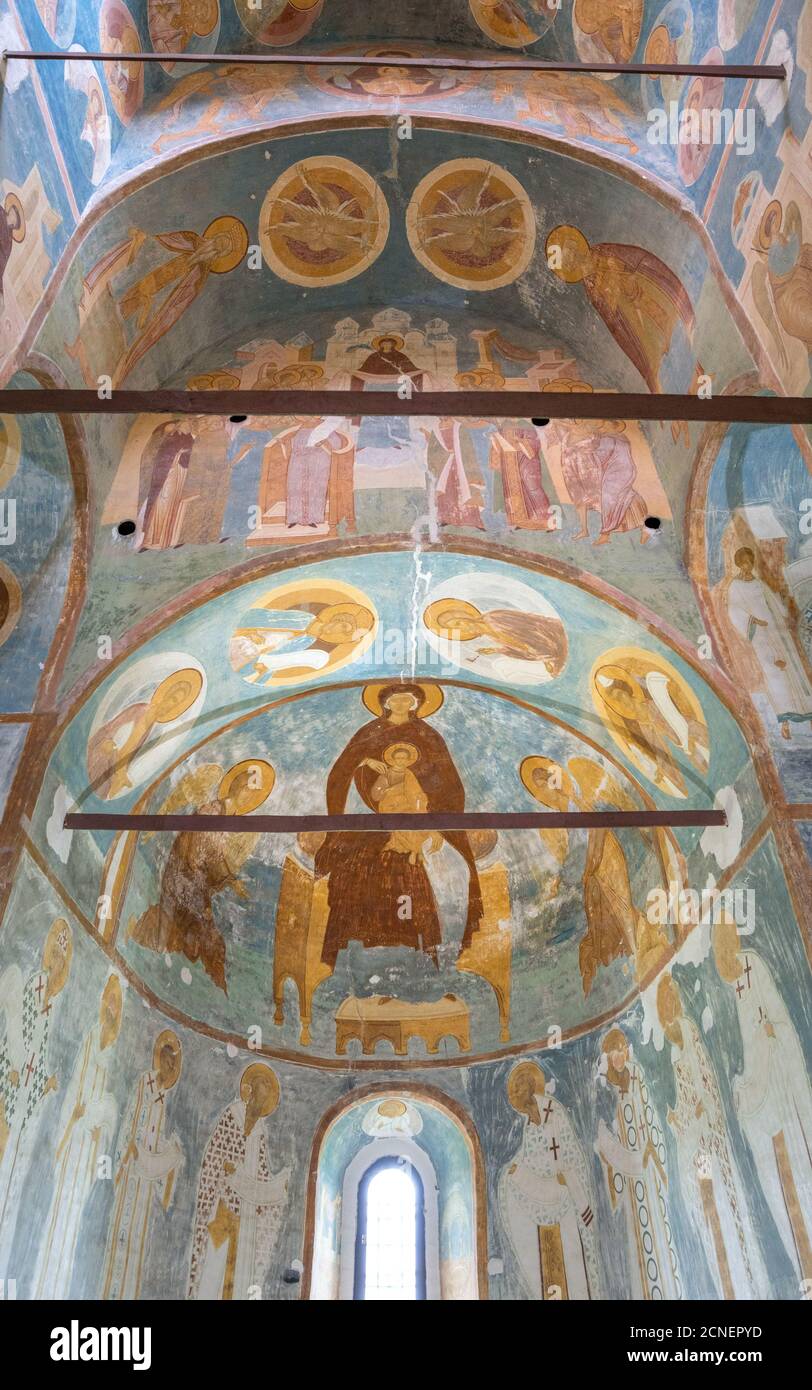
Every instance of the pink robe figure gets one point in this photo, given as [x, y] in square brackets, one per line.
[165, 505]
[516, 453]
[308, 478]
[600, 475]
[456, 503]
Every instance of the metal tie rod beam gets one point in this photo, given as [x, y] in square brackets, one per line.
[758, 71]
[441, 820]
[530, 405]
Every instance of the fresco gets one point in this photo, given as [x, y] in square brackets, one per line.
[758, 571]
[36, 534]
[204, 1037]
[607, 1111]
[496, 928]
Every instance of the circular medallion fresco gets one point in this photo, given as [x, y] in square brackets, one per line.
[141, 719]
[278, 22]
[323, 222]
[471, 224]
[9, 448]
[10, 602]
[513, 23]
[705, 97]
[118, 33]
[391, 78]
[301, 631]
[190, 25]
[607, 31]
[654, 717]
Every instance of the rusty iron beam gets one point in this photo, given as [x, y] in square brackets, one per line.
[757, 71]
[461, 820]
[561, 405]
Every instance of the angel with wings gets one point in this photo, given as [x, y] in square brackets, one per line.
[203, 863]
[782, 277]
[615, 926]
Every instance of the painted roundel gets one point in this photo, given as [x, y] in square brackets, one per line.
[323, 222]
[514, 23]
[471, 224]
[11, 602]
[278, 22]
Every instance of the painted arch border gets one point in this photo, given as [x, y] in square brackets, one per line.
[775, 817]
[429, 1095]
[648, 183]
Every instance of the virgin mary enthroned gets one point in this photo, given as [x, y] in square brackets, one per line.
[371, 875]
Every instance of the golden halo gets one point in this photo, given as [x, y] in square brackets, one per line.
[389, 753]
[364, 619]
[213, 381]
[10, 448]
[568, 385]
[770, 224]
[189, 676]
[391, 1109]
[432, 696]
[388, 338]
[236, 230]
[167, 1036]
[12, 201]
[256, 1071]
[441, 605]
[257, 794]
[520, 1076]
[112, 994]
[14, 598]
[555, 798]
[568, 238]
[303, 4]
[59, 934]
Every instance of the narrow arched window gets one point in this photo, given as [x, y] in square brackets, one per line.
[390, 1242]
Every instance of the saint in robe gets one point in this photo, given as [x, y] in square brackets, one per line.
[600, 473]
[166, 465]
[25, 1078]
[398, 792]
[453, 467]
[710, 1181]
[782, 277]
[239, 1197]
[772, 1094]
[367, 879]
[764, 626]
[146, 1167]
[508, 632]
[516, 455]
[613, 25]
[280, 642]
[202, 863]
[179, 280]
[385, 369]
[582, 104]
[652, 713]
[634, 1158]
[12, 230]
[86, 1129]
[310, 465]
[545, 1196]
[637, 295]
[615, 925]
[115, 744]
